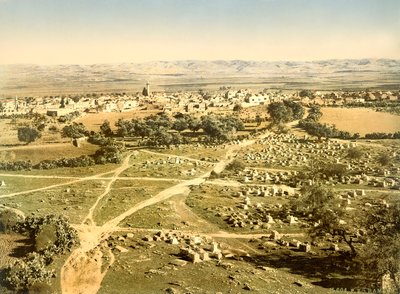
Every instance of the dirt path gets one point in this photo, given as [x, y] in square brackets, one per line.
[91, 178]
[78, 180]
[80, 262]
[125, 165]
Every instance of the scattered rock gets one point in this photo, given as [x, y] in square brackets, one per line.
[179, 262]
[121, 249]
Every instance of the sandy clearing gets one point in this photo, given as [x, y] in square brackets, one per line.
[361, 120]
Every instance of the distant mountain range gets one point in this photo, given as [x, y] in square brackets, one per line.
[193, 74]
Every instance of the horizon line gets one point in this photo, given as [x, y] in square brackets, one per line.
[205, 60]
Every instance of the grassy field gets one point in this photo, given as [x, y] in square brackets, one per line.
[72, 201]
[68, 172]
[18, 184]
[43, 152]
[124, 195]
[361, 120]
[163, 170]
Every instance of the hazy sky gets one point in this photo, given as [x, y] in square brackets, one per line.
[104, 31]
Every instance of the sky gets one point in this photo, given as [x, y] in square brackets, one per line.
[113, 31]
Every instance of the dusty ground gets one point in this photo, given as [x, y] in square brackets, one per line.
[361, 120]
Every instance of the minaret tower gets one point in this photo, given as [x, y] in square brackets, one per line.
[148, 88]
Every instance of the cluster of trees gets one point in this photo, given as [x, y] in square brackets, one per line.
[306, 93]
[325, 131]
[284, 112]
[51, 235]
[160, 130]
[80, 161]
[373, 236]
[375, 136]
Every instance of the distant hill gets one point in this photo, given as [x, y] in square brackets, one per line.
[29, 79]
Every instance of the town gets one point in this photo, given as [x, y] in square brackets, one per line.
[237, 180]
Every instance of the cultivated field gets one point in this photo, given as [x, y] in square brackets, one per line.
[92, 121]
[361, 120]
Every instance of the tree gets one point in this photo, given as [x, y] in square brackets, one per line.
[62, 103]
[296, 109]
[329, 217]
[220, 128]
[314, 113]
[28, 134]
[194, 124]
[237, 108]
[283, 112]
[180, 125]
[124, 127]
[105, 129]
[279, 113]
[382, 253]
[75, 130]
[108, 154]
[50, 227]
[258, 120]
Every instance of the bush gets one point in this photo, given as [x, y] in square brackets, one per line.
[236, 165]
[355, 153]
[384, 159]
[54, 231]
[81, 161]
[28, 134]
[9, 218]
[27, 272]
[108, 154]
[16, 165]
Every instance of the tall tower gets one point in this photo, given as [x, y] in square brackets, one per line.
[148, 88]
